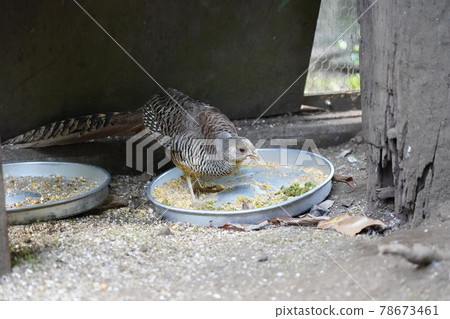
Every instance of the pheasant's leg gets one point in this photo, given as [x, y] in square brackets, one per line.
[188, 180]
[207, 189]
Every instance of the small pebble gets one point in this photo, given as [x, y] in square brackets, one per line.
[352, 159]
[344, 153]
[165, 231]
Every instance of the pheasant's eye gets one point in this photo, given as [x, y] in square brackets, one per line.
[242, 150]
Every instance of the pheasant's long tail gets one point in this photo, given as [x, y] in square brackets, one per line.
[79, 129]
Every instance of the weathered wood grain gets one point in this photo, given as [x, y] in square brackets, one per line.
[405, 83]
[5, 261]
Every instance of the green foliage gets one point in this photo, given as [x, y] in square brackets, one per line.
[209, 205]
[353, 81]
[22, 254]
[342, 44]
[319, 82]
[296, 190]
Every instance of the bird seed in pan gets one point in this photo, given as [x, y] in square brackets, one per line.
[50, 188]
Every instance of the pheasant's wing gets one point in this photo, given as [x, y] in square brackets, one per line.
[79, 129]
[167, 114]
[177, 115]
[214, 124]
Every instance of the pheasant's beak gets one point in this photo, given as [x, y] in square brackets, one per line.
[254, 156]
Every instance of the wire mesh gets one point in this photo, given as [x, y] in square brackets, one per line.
[336, 68]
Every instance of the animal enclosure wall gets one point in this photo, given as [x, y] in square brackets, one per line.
[238, 55]
[334, 64]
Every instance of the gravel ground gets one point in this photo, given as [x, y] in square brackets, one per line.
[127, 253]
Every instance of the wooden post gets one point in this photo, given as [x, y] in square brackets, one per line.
[5, 260]
[405, 97]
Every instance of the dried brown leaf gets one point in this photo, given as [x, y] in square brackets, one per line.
[350, 225]
[304, 220]
[344, 179]
[329, 224]
[238, 227]
[245, 227]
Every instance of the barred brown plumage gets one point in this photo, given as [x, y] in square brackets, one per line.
[201, 139]
[79, 129]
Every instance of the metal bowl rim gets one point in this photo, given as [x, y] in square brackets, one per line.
[61, 201]
[242, 211]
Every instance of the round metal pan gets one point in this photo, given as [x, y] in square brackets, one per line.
[241, 184]
[58, 208]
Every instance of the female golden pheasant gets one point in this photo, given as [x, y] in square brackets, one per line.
[201, 139]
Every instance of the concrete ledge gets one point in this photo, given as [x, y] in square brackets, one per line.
[325, 129]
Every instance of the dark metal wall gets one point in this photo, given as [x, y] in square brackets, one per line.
[238, 55]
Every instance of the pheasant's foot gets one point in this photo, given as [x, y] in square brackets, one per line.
[209, 188]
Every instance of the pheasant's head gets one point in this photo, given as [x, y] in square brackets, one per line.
[245, 149]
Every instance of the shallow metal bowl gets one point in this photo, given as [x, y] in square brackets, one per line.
[58, 208]
[241, 184]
